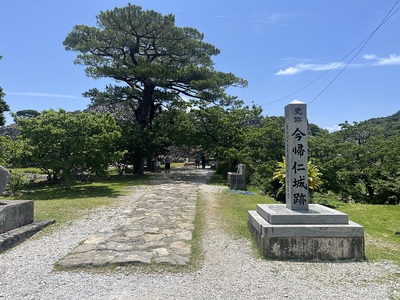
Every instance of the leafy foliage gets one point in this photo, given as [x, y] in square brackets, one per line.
[388, 126]
[65, 144]
[6, 150]
[222, 132]
[159, 63]
[26, 113]
[17, 183]
[236, 134]
[362, 161]
[314, 177]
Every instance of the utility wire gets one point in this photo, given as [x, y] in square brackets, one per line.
[365, 42]
[362, 45]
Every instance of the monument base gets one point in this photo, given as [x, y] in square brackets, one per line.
[307, 235]
[15, 213]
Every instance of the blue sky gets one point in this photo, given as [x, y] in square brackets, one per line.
[309, 50]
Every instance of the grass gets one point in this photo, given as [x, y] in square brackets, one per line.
[381, 222]
[25, 170]
[234, 208]
[217, 179]
[53, 201]
[199, 224]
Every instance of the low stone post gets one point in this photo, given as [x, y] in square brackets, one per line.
[237, 180]
[4, 178]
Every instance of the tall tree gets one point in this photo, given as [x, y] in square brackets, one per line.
[361, 161]
[26, 113]
[158, 62]
[3, 105]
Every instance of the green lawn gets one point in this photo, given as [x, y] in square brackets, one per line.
[381, 222]
[53, 201]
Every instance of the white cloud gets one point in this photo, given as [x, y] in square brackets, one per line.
[333, 128]
[32, 94]
[289, 71]
[393, 59]
[309, 67]
[269, 21]
[369, 56]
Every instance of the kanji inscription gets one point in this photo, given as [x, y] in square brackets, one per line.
[296, 128]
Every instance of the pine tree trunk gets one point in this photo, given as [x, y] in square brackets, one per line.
[151, 163]
[138, 166]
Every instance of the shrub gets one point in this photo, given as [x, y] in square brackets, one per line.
[17, 183]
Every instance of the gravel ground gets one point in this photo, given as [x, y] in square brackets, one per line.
[230, 271]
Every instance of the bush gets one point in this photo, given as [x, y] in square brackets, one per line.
[18, 182]
[262, 177]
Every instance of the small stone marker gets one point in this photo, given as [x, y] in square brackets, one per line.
[296, 127]
[4, 178]
[16, 218]
[237, 180]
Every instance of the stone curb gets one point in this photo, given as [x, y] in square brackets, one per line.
[16, 236]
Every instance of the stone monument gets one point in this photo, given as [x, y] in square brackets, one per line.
[16, 218]
[237, 180]
[15, 213]
[297, 229]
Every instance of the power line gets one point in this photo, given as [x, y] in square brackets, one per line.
[360, 45]
[364, 43]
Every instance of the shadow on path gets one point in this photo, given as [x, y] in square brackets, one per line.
[183, 175]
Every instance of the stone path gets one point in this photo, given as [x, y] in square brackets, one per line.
[155, 226]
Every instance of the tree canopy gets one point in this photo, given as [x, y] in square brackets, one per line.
[159, 62]
[361, 161]
[27, 113]
[65, 144]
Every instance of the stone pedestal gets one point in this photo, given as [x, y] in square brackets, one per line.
[299, 230]
[17, 223]
[15, 213]
[237, 180]
[16, 218]
[317, 233]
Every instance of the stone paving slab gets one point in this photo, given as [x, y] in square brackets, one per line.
[156, 225]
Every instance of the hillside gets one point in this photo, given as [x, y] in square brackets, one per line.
[10, 130]
[389, 125]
